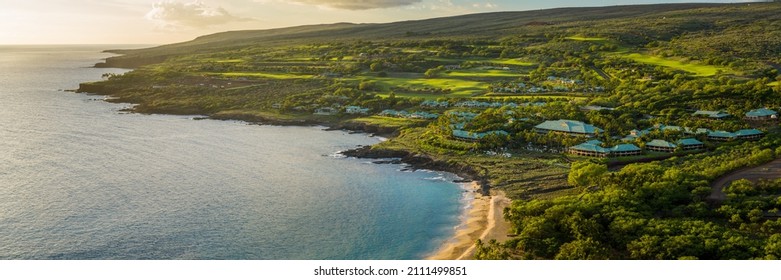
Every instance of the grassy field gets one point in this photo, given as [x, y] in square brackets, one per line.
[524, 175]
[697, 69]
[390, 121]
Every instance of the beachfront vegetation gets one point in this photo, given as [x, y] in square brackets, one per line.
[469, 99]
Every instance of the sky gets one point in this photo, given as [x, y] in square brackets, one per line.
[24, 22]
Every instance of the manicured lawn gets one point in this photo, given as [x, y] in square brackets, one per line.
[426, 96]
[230, 61]
[502, 61]
[458, 87]
[481, 73]
[581, 38]
[510, 61]
[281, 76]
[694, 68]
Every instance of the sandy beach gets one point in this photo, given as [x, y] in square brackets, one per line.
[483, 220]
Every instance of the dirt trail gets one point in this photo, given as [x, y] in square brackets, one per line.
[770, 170]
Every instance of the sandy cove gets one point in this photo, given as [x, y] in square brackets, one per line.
[483, 220]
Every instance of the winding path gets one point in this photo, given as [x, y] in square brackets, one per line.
[770, 170]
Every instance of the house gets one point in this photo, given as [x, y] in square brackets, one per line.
[434, 104]
[452, 67]
[665, 128]
[698, 131]
[325, 111]
[634, 134]
[467, 116]
[763, 114]
[353, 110]
[690, 144]
[661, 146]
[596, 108]
[534, 104]
[568, 127]
[592, 148]
[394, 113]
[749, 134]
[476, 136]
[720, 135]
[423, 115]
[625, 150]
[711, 114]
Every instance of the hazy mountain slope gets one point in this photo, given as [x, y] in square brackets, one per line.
[629, 24]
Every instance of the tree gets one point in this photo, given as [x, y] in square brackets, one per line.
[434, 72]
[376, 67]
[585, 173]
[583, 249]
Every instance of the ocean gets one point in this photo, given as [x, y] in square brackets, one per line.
[80, 179]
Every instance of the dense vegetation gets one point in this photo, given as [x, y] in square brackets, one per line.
[618, 68]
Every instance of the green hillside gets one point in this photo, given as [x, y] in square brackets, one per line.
[630, 24]
[677, 95]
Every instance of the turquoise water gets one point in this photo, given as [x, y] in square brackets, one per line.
[80, 180]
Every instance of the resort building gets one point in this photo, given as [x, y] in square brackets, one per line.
[569, 127]
[763, 114]
[721, 135]
[593, 148]
[661, 146]
[749, 134]
[690, 144]
[711, 114]
[625, 150]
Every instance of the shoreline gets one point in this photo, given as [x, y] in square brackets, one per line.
[482, 219]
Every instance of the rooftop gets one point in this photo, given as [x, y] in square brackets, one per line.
[661, 144]
[748, 132]
[625, 148]
[569, 126]
[721, 134]
[764, 112]
[689, 142]
[591, 146]
[712, 114]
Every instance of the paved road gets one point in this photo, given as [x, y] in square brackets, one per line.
[770, 170]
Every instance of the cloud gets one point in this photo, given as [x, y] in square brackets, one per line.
[487, 5]
[175, 15]
[359, 4]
